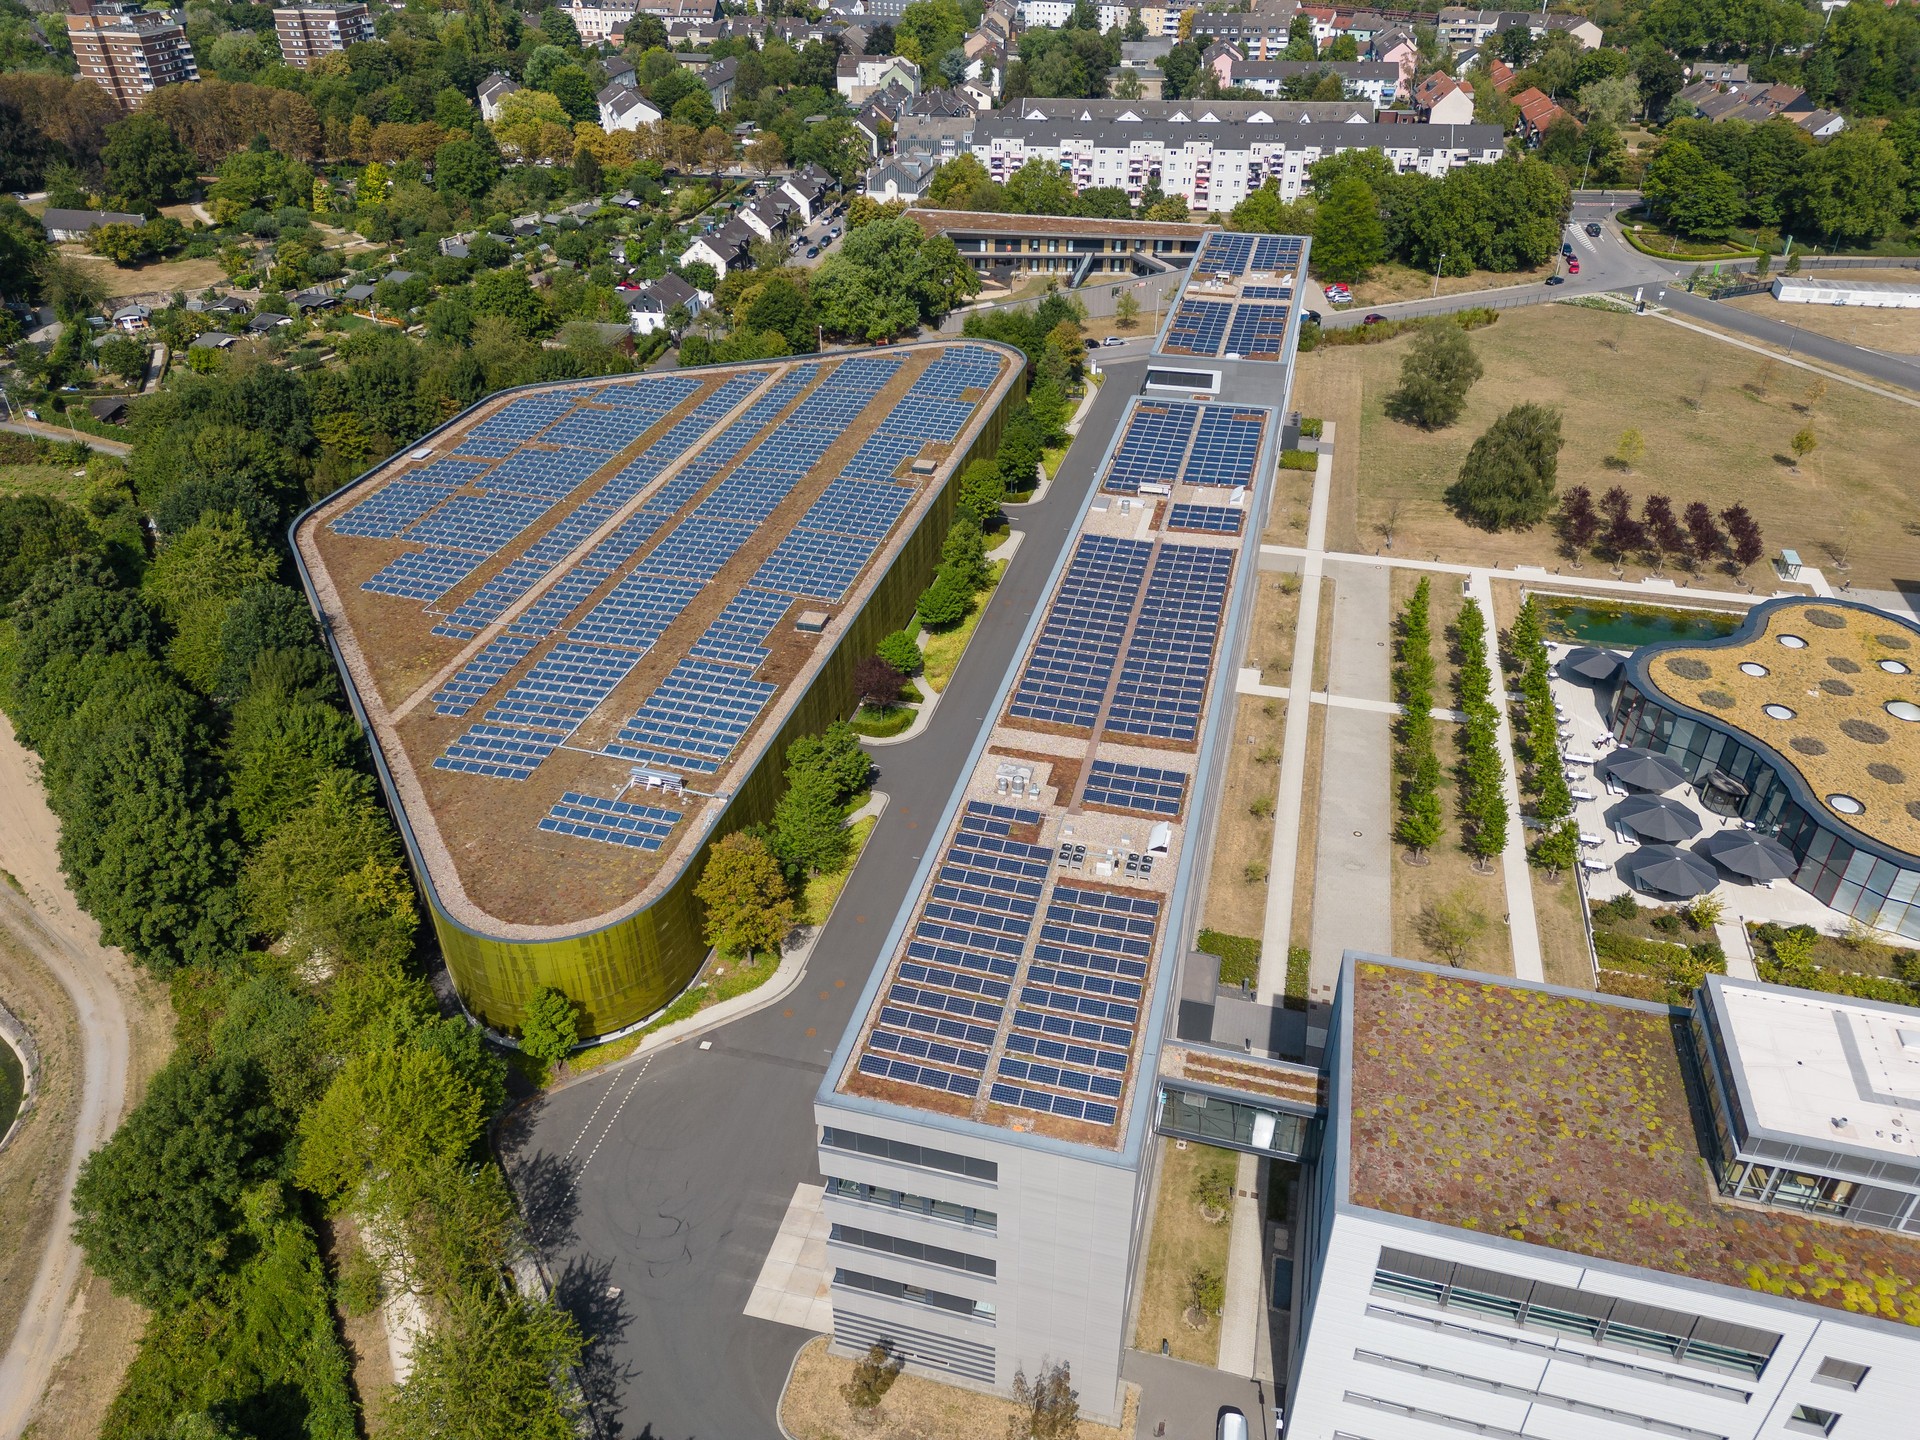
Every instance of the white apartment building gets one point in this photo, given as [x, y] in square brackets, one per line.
[1376, 82]
[1552, 1213]
[1214, 153]
[1054, 14]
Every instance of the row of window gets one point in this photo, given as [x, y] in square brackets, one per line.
[971, 1216]
[913, 1250]
[914, 1295]
[902, 1152]
[1581, 1314]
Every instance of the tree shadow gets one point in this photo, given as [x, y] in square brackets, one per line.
[583, 1290]
[549, 1202]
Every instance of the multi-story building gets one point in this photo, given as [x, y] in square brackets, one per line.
[1054, 14]
[987, 1121]
[1080, 249]
[1550, 1212]
[309, 31]
[1377, 82]
[600, 19]
[1213, 153]
[127, 51]
[1261, 32]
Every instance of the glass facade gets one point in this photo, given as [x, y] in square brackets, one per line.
[1838, 868]
[1235, 1124]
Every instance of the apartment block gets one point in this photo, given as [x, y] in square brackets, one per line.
[127, 51]
[308, 32]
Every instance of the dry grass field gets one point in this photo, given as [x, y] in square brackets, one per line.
[1895, 331]
[1716, 422]
[1391, 282]
[1183, 1241]
[162, 277]
[1236, 904]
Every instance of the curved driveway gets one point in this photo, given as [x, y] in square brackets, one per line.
[665, 1179]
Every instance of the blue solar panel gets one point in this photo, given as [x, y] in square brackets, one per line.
[613, 822]
[1276, 252]
[809, 563]
[1226, 446]
[524, 418]
[636, 612]
[498, 752]
[1225, 253]
[1141, 789]
[623, 542]
[1154, 445]
[696, 548]
[1066, 676]
[564, 687]
[1207, 519]
[1258, 332]
[1198, 327]
[424, 574]
[492, 599]
[1169, 658]
[695, 718]
[480, 674]
[849, 507]
[552, 473]
[450, 473]
[388, 511]
[569, 532]
[473, 445]
[560, 600]
[481, 523]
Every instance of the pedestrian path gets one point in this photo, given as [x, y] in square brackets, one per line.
[1523, 927]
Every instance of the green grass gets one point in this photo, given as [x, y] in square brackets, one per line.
[1299, 970]
[944, 648]
[879, 724]
[57, 482]
[1239, 956]
[1051, 457]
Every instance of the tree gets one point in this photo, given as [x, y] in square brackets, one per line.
[1803, 444]
[873, 1375]
[834, 754]
[261, 618]
[809, 834]
[550, 1025]
[123, 355]
[1048, 1407]
[1627, 453]
[1696, 196]
[1705, 536]
[490, 1368]
[465, 168]
[946, 601]
[1507, 481]
[1435, 377]
[983, 489]
[964, 553]
[146, 165]
[765, 153]
[877, 683]
[901, 651]
[1556, 850]
[1450, 924]
[1578, 522]
[745, 895]
[196, 577]
[157, 1207]
[1126, 310]
[1614, 99]
[1851, 189]
[35, 531]
[389, 1112]
[1348, 238]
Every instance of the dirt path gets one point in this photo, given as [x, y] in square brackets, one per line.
[122, 1039]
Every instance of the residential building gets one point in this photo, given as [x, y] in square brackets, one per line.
[650, 305]
[1537, 112]
[1757, 102]
[1720, 72]
[1260, 33]
[724, 249]
[769, 215]
[1396, 47]
[1712, 1234]
[1442, 100]
[309, 31]
[599, 19]
[619, 70]
[1162, 21]
[859, 76]
[1214, 153]
[62, 225]
[1373, 81]
[811, 189]
[1054, 14]
[132, 318]
[624, 108]
[720, 79]
[903, 177]
[1084, 251]
[1459, 26]
[128, 52]
[1589, 35]
[491, 91]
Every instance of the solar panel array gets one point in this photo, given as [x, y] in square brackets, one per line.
[694, 719]
[1227, 253]
[1154, 446]
[1252, 323]
[1066, 676]
[935, 1026]
[1226, 447]
[1081, 1002]
[1163, 679]
[1207, 519]
[1258, 332]
[1198, 327]
[614, 822]
[1142, 789]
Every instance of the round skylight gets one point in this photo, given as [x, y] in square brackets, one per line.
[1903, 710]
[1793, 642]
[1894, 667]
[1776, 712]
[1846, 804]
[1749, 667]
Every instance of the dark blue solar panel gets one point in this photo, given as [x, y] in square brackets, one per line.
[450, 473]
[524, 418]
[564, 687]
[492, 599]
[551, 473]
[1275, 252]
[613, 822]
[556, 603]
[1138, 788]
[481, 523]
[389, 510]
[1258, 332]
[695, 718]
[809, 563]
[1163, 679]
[623, 542]
[1198, 327]
[636, 612]
[1226, 446]
[568, 532]
[849, 507]
[480, 674]
[696, 548]
[424, 574]
[1207, 519]
[1154, 445]
[1225, 253]
[1066, 677]
[498, 752]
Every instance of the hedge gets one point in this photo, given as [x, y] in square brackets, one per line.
[1239, 956]
[1299, 460]
[1839, 982]
[1653, 957]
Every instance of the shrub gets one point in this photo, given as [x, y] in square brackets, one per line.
[1213, 1187]
[1206, 1291]
[1298, 459]
[873, 1375]
[1312, 426]
[902, 652]
[1239, 955]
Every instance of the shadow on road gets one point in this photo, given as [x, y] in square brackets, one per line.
[584, 1290]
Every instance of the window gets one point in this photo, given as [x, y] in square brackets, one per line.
[903, 1153]
[969, 1215]
[1809, 1421]
[1843, 1374]
[912, 1250]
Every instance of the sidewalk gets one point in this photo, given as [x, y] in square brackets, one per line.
[1523, 927]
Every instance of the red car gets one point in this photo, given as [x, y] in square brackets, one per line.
[1373, 319]
[1573, 267]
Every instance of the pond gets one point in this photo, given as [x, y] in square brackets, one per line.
[1625, 626]
[13, 1085]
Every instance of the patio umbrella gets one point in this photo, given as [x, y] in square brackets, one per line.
[1644, 769]
[1654, 817]
[1750, 856]
[1668, 871]
[1600, 667]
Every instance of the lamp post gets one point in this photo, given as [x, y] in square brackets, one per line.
[1436, 273]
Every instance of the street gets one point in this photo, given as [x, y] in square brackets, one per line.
[655, 1188]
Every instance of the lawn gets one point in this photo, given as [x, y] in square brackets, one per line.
[1242, 840]
[159, 278]
[1716, 422]
[1391, 282]
[1895, 331]
[943, 648]
[1182, 1241]
[58, 482]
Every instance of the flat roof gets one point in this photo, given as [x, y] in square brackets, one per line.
[1238, 298]
[1020, 989]
[568, 614]
[940, 222]
[1829, 688]
[1827, 1069]
[1562, 1119]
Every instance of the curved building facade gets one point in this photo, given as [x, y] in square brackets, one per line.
[582, 622]
[1805, 723]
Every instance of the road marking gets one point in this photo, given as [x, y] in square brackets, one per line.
[612, 1120]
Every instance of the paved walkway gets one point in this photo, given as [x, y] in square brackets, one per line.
[1523, 928]
[1283, 860]
[1649, 590]
[1183, 1401]
[1241, 1317]
[793, 1286]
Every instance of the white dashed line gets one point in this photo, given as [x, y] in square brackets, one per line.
[612, 1120]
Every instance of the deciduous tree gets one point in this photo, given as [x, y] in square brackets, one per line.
[745, 895]
[1507, 481]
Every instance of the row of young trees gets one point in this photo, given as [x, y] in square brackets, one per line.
[1659, 534]
[1558, 845]
[1421, 823]
[1483, 798]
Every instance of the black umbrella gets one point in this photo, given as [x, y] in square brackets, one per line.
[1749, 855]
[1669, 871]
[1601, 667]
[1653, 817]
[1644, 769]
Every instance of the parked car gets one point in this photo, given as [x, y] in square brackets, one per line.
[1573, 266]
[1091, 343]
[812, 251]
[1566, 247]
[1373, 319]
[1593, 229]
[1556, 279]
[1312, 317]
[1339, 294]
[1114, 340]
[1232, 1425]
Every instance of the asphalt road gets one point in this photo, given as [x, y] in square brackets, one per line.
[665, 1179]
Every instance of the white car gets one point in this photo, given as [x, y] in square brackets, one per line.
[1339, 294]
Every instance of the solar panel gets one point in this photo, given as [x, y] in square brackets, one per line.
[1207, 519]
[636, 612]
[480, 674]
[1226, 446]
[1225, 253]
[695, 718]
[564, 687]
[1198, 327]
[1141, 789]
[424, 574]
[1169, 658]
[560, 600]
[849, 507]
[552, 473]
[480, 523]
[1066, 676]
[493, 599]
[389, 510]
[809, 563]
[697, 548]
[613, 822]
[1153, 446]
[1276, 252]
[569, 532]
[498, 752]
[524, 418]
[1258, 332]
